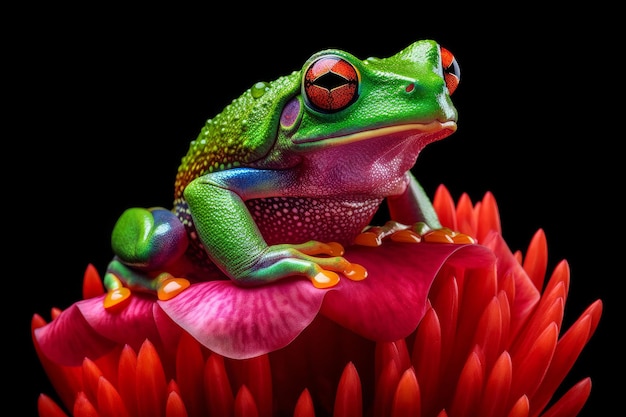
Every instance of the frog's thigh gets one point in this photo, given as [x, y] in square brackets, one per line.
[148, 238]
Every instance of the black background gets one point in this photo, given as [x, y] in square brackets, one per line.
[102, 104]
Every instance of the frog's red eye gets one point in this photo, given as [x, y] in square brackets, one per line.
[330, 84]
[451, 70]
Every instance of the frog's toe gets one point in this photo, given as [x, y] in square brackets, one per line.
[373, 235]
[368, 238]
[352, 271]
[406, 236]
[170, 287]
[462, 238]
[355, 272]
[116, 299]
[314, 247]
[325, 279]
[446, 235]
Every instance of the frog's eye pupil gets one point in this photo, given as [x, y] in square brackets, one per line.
[451, 70]
[330, 84]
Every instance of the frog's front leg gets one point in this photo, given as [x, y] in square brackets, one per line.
[413, 220]
[234, 242]
[146, 243]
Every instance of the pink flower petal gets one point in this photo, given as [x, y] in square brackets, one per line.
[134, 319]
[86, 329]
[69, 338]
[391, 301]
[241, 322]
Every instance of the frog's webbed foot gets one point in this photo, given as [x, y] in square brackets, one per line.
[419, 232]
[117, 295]
[165, 285]
[284, 260]
[168, 286]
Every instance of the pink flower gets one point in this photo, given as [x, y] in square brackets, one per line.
[435, 330]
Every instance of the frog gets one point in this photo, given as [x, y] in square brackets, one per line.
[292, 172]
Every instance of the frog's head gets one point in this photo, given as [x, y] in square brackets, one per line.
[371, 112]
[343, 98]
[395, 105]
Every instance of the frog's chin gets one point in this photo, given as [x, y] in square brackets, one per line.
[437, 129]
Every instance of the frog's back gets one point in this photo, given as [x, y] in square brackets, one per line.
[241, 134]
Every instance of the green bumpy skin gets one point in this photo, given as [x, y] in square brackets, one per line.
[294, 170]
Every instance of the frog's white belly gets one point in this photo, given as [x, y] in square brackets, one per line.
[299, 219]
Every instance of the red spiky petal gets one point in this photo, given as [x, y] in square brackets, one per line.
[244, 403]
[469, 387]
[190, 373]
[445, 207]
[528, 371]
[175, 406]
[304, 405]
[497, 387]
[386, 385]
[150, 382]
[109, 401]
[536, 262]
[520, 408]
[127, 377]
[219, 397]
[570, 404]
[349, 400]
[83, 407]
[46, 407]
[92, 283]
[407, 398]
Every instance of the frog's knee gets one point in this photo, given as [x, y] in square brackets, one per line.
[148, 238]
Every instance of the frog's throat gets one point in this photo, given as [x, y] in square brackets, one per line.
[431, 127]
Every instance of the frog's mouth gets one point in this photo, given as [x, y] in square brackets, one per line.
[439, 130]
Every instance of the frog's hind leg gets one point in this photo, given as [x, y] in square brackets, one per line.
[164, 284]
[146, 242]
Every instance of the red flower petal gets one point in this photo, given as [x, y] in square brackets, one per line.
[389, 304]
[190, 374]
[46, 407]
[109, 400]
[256, 375]
[426, 358]
[488, 217]
[526, 294]
[151, 385]
[127, 377]
[497, 387]
[520, 408]
[349, 400]
[445, 208]
[83, 407]
[219, 396]
[304, 406]
[386, 385]
[244, 403]
[175, 407]
[570, 404]
[536, 261]
[407, 399]
[469, 386]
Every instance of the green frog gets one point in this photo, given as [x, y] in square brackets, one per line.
[292, 172]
